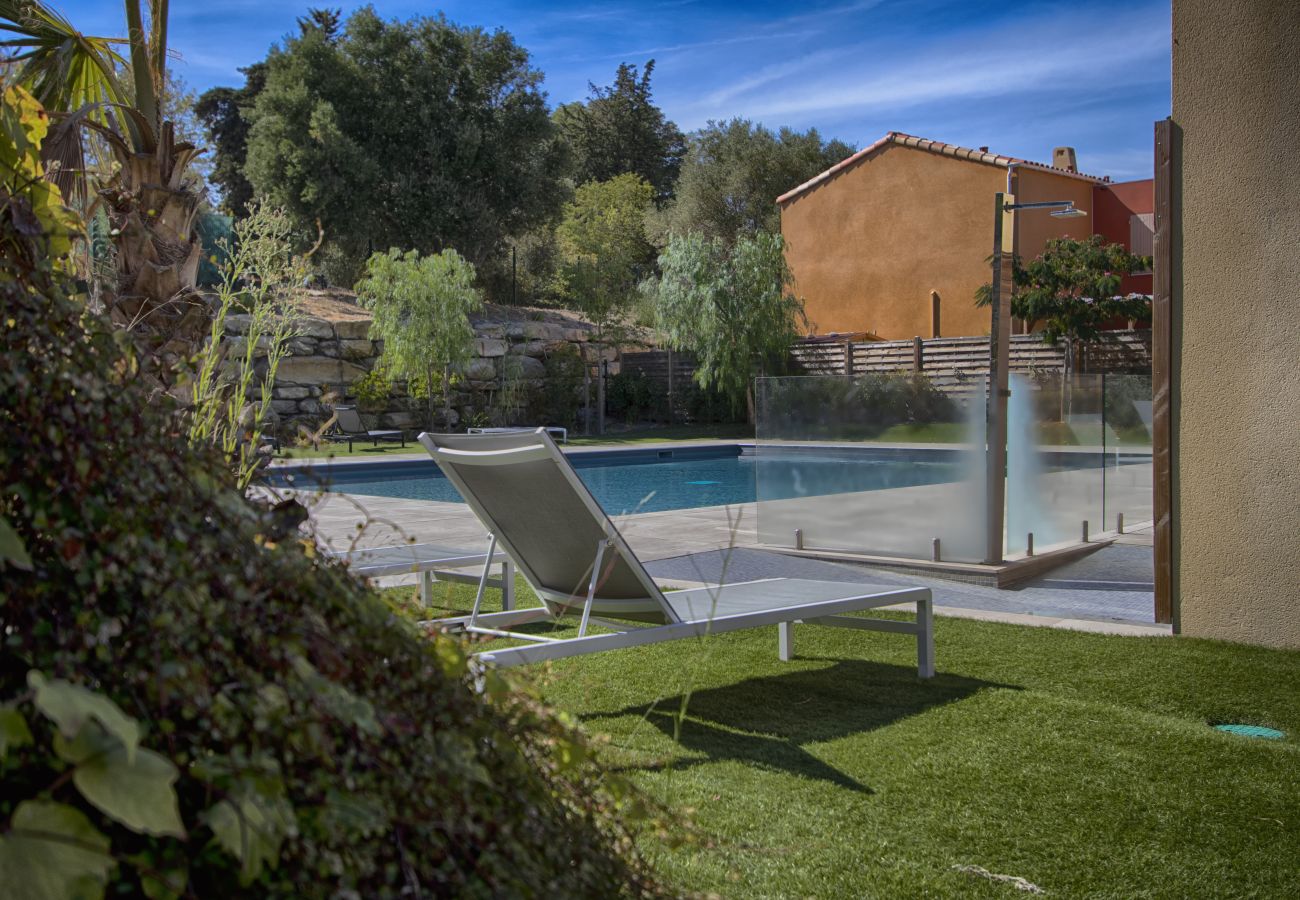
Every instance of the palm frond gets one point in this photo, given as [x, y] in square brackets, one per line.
[64, 69]
[64, 153]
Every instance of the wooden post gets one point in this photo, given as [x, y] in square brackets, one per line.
[999, 351]
[1162, 372]
[918, 360]
[934, 314]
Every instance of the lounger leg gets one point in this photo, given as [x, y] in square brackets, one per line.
[507, 585]
[601, 547]
[426, 589]
[925, 638]
[785, 641]
[483, 580]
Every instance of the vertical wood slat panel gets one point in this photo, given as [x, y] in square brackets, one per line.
[1162, 373]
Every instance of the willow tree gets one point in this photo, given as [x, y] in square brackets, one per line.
[142, 180]
[733, 307]
[422, 307]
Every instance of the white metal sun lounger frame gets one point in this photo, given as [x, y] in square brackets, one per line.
[432, 562]
[827, 612]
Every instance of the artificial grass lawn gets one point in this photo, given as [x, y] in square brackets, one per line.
[1080, 762]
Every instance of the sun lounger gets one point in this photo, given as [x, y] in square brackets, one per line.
[555, 431]
[536, 508]
[433, 563]
[351, 428]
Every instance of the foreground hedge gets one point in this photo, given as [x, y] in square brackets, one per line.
[190, 703]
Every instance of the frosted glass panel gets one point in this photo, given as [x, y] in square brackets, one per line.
[886, 464]
[1056, 440]
[879, 464]
[1128, 471]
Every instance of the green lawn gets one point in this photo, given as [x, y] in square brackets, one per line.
[360, 450]
[1082, 763]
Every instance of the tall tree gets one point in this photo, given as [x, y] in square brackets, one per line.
[421, 135]
[619, 130]
[327, 20]
[603, 250]
[149, 194]
[733, 173]
[422, 307]
[223, 112]
[731, 305]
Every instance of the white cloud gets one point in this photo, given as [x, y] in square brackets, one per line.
[1070, 52]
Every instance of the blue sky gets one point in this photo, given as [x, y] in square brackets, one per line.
[1019, 77]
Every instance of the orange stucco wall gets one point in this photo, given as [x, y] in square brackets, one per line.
[869, 245]
[1036, 227]
[1113, 207]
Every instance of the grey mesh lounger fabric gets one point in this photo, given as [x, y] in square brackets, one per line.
[540, 513]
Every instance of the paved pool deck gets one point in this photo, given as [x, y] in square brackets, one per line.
[1108, 591]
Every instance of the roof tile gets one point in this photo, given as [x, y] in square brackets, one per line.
[919, 143]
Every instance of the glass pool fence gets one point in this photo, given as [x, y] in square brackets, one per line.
[894, 464]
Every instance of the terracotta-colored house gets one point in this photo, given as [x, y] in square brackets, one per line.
[874, 240]
[1124, 212]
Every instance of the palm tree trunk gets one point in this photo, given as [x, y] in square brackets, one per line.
[151, 210]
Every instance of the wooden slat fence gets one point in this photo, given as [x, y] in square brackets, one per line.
[948, 358]
[952, 364]
[1122, 352]
[655, 365]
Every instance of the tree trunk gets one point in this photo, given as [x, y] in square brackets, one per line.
[428, 400]
[151, 211]
[600, 389]
[446, 397]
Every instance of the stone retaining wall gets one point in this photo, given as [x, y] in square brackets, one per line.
[330, 356]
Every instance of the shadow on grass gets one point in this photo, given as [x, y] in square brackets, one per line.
[766, 721]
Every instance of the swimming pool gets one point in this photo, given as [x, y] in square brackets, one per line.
[633, 481]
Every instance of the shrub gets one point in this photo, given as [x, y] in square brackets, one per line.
[193, 703]
[372, 391]
[1122, 393]
[634, 395]
[512, 394]
[561, 390]
[862, 405]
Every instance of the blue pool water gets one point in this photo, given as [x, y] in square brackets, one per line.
[640, 481]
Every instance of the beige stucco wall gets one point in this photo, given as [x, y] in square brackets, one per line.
[1236, 320]
[869, 245]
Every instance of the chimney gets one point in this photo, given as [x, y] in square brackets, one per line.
[1064, 158]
